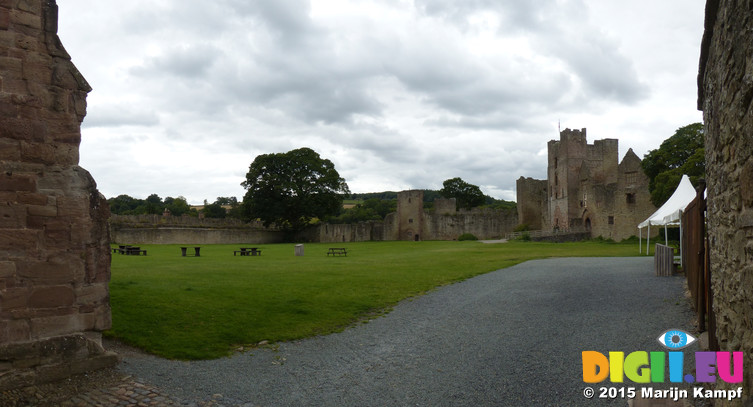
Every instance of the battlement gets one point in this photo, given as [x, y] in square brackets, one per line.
[573, 135]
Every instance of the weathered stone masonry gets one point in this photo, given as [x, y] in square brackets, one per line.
[412, 222]
[54, 243]
[725, 87]
[586, 189]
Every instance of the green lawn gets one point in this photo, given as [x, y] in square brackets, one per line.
[203, 307]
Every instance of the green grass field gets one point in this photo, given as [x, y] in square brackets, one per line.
[204, 307]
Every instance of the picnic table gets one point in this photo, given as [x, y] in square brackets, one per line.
[337, 251]
[129, 250]
[197, 250]
[248, 251]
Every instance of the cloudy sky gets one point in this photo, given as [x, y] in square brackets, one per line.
[399, 94]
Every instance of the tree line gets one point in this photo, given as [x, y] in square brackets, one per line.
[222, 207]
[298, 188]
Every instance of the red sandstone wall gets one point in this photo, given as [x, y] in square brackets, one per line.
[54, 242]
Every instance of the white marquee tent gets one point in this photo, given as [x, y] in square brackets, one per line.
[670, 213]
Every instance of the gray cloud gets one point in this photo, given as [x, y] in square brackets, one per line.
[120, 114]
[398, 93]
[188, 61]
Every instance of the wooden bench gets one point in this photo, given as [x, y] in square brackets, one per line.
[337, 251]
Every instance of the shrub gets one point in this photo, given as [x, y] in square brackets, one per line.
[525, 237]
[467, 236]
[522, 228]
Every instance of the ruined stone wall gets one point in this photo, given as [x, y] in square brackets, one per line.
[158, 229]
[334, 233]
[599, 210]
[442, 224]
[482, 223]
[55, 262]
[445, 205]
[532, 202]
[726, 96]
[390, 228]
[195, 236]
[632, 199]
[615, 209]
[601, 159]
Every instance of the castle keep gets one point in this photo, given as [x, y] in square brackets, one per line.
[586, 189]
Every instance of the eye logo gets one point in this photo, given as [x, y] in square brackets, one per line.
[675, 339]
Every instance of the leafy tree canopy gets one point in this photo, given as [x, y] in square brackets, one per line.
[177, 206]
[214, 210]
[683, 153]
[466, 195]
[153, 204]
[290, 189]
[370, 209]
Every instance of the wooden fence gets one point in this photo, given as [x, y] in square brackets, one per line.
[696, 261]
[664, 260]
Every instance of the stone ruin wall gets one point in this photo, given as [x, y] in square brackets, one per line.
[160, 229]
[532, 202]
[726, 97]
[445, 206]
[444, 222]
[630, 211]
[482, 223]
[54, 243]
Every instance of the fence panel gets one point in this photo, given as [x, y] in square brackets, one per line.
[695, 260]
[664, 260]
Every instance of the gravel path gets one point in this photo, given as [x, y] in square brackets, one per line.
[508, 338]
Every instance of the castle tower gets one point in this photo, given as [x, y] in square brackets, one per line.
[565, 160]
[574, 166]
[410, 214]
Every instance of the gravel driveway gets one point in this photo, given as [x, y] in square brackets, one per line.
[508, 338]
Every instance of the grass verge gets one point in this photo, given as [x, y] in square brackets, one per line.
[203, 307]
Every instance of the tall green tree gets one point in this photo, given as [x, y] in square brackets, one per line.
[177, 206]
[154, 205]
[123, 204]
[683, 153]
[214, 210]
[466, 195]
[290, 189]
